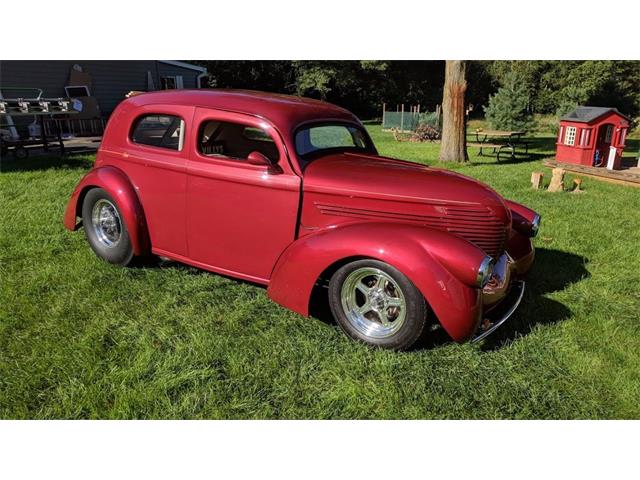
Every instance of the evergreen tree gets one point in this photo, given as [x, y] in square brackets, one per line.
[508, 108]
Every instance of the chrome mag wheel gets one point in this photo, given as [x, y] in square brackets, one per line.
[373, 302]
[106, 223]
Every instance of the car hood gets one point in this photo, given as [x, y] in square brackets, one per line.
[383, 178]
[346, 188]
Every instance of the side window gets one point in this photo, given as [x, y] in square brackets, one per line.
[585, 136]
[164, 131]
[623, 135]
[235, 141]
[570, 136]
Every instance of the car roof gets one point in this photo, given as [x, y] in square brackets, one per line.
[286, 112]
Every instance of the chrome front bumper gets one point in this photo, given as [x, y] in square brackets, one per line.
[510, 302]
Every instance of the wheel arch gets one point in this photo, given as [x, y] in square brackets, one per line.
[433, 260]
[116, 183]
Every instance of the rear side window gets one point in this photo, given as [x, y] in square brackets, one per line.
[164, 131]
[235, 141]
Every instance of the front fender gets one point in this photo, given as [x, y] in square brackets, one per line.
[521, 218]
[115, 182]
[443, 267]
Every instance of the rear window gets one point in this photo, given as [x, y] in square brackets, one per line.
[164, 131]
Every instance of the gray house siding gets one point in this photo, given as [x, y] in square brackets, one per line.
[111, 79]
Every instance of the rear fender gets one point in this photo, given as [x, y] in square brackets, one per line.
[115, 182]
[443, 267]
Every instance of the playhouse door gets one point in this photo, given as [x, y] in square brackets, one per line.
[603, 141]
[605, 134]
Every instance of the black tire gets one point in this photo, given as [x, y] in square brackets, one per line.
[394, 336]
[19, 152]
[119, 252]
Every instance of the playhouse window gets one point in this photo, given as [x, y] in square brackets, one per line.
[608, 134]
[585, 135]
[623, 134]
[570, 136]
[560, 134]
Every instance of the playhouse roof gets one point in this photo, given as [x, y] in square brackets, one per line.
[589, 114]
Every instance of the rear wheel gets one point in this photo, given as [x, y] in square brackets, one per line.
[377, 304]
[105, 229]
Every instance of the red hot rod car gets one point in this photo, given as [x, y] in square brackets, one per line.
[291, 193]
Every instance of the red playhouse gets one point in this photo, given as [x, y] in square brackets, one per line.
[593, 137]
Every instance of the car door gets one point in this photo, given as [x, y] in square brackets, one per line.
[154, 156]
[239, 216]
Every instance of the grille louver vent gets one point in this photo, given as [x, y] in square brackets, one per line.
[475, 224]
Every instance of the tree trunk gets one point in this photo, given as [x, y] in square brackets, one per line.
[453, 147]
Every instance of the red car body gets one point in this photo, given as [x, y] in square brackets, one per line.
[285, 225]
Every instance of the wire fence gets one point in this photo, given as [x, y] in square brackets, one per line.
[409, 121]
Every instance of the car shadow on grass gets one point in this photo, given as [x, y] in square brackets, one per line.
[552, 271]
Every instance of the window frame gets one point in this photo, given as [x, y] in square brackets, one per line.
[608, 133]
[310, 156]
[570, 133]
[227, 158]
[69, 87]
[585, 137]
[181, 138]
[622, 137]
[178, 81]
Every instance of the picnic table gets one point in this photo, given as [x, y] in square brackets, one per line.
[500, 141]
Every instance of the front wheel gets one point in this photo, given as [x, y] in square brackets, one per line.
[375, 303]
[105, 229]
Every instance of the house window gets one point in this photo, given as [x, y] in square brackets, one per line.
[560, 134]
[235, 141]
[585, 136]
[570, 136]
[171, 82]
[74, 91]
[164, 131]
[608, 133]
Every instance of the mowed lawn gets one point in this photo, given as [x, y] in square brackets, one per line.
[80, 338]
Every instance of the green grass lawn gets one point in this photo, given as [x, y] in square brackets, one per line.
[80, 338]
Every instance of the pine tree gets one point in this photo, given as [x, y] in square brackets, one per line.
[508, 108]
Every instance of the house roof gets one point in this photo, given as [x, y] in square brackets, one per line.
[589, 114]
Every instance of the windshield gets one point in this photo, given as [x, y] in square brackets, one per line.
[318, 139]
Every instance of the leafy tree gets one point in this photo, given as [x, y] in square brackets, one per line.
[362, 86]
[553, 85]
[508, 108]
[269, 75]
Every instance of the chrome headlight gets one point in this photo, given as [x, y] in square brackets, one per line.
[484, 271]
[535, 225]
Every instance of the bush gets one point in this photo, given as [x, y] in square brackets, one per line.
[508, 108]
